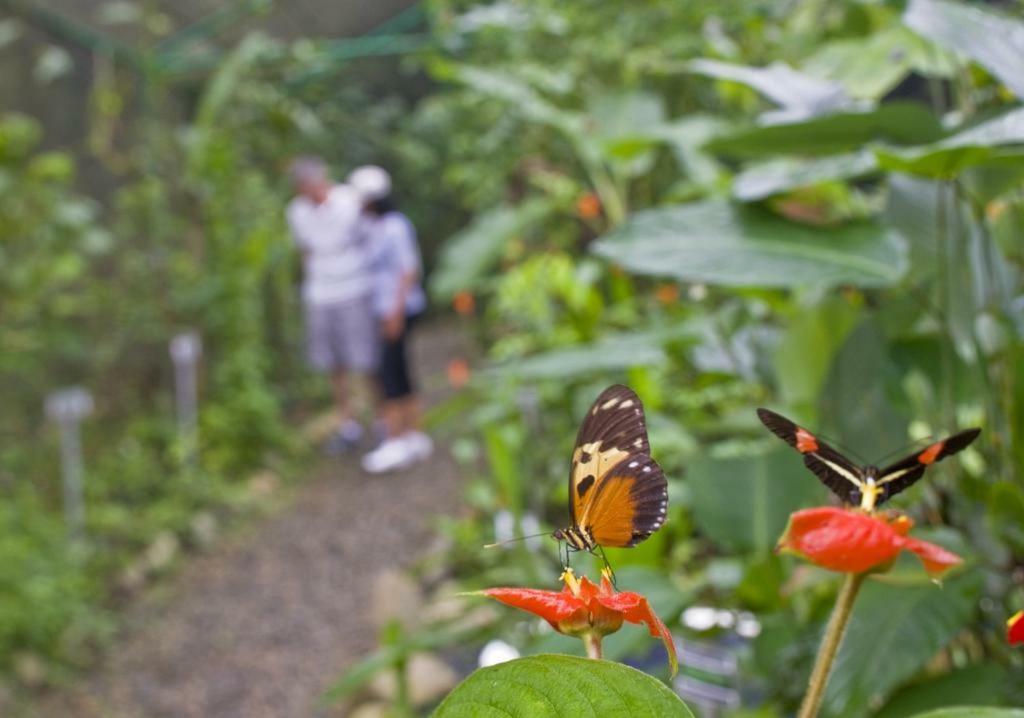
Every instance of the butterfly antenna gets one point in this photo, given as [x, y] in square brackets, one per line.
[514, 540]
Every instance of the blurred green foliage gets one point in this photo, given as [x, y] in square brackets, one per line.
[808, 205]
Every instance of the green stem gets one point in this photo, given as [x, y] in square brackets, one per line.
[830, 645]
[592, 641]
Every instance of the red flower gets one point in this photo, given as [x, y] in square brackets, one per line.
[587, 610]
[1015, 628]
[458, 372]
[855, 542]
[464, 303]
[588, 206]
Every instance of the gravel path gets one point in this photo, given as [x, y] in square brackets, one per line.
[259, 626]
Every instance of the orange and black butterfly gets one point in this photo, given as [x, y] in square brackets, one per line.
[863, 486]
[618, 495]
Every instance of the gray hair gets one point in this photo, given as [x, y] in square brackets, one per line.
[307, 169]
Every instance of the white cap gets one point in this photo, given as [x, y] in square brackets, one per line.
[371, 182]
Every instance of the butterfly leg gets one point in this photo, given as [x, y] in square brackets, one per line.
[611, 572]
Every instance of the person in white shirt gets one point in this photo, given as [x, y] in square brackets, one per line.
[398, 300]
[341, 330]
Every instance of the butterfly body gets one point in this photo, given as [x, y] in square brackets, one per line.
[618, 495]
[865, 486]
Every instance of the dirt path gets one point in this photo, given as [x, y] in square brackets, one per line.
[261, 625]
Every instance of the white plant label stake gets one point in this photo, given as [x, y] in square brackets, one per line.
[186, 350]
[67, 408]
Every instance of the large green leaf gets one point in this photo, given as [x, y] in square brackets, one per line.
[804, 355]
[612, 351]
[870, 66]
[973, 712]
[782, 175]
[561, 687]
[895, 630]
[979, 685]
[801, 96]
[742, 502]
[900, 123]
[856, 403]
[982, 144]
[719, 243]
[993, 40]
[470, 254]
[517, 93]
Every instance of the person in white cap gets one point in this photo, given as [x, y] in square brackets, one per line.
[341, 332]
[398, 299]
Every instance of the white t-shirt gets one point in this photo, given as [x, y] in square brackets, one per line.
[394, 252]
[336, 262]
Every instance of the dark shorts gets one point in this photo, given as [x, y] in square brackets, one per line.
[395, 382]
[342, 336]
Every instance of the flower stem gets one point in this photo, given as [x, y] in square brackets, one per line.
[830, 645]
[592, 641]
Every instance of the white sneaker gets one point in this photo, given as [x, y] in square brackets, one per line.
[420, 445]
[391, 455]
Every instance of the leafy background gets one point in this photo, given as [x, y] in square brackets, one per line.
[809, 205]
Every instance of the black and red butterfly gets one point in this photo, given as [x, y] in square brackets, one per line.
[865, 486]
[618, 495]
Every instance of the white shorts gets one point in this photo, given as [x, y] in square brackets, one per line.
[342, 336]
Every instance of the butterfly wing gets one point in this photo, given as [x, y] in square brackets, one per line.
[842, 476]
[616, 490]
[904, 473]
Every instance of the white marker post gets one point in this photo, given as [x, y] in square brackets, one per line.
[186, 349]
[67, 408]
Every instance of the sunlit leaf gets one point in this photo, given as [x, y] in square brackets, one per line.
[610, 352]
[871, 66]
[718, 243]
[993, 40]
[799, 95]
[550, 686]
[782, 175]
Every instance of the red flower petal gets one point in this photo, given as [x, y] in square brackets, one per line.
[840, 540]
[936, 559]
[855, 542]
[553, 606]
[636, 609]
[1015, 628]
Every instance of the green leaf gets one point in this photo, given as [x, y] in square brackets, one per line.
[520, 95]
[973, 712]
[613, 351]
[804, 355]
[979, 685]
[390, 656]
[782, 175]
[469, 255]
[561, 687]
[799, 95]
[895, 630]
[993, 40]
[869, 67]
[742, 502]
[975, 146]
[718, 243]
[856, 403]
[900, 123]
